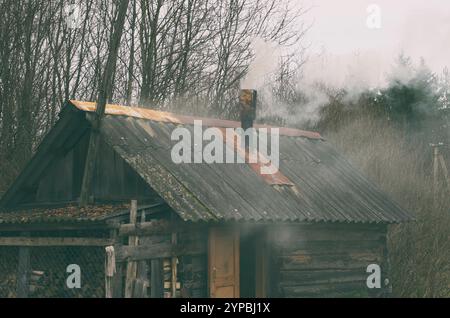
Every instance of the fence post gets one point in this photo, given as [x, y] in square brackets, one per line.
[110, 271]
[131, 265]
[23, 271]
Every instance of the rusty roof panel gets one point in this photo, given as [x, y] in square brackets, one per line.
[166, 117]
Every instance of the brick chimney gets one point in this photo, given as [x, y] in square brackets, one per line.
[247, 105]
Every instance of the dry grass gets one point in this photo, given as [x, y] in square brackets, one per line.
[402, 166]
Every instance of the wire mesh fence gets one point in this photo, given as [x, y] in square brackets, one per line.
[49, 272]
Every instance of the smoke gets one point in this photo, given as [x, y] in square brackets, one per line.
[298, 98]
[264, 64]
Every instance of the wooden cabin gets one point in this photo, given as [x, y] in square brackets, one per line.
[189, 230]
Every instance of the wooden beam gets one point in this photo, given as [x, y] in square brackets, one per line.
[154, 228]
[54, 241]
[154, 251]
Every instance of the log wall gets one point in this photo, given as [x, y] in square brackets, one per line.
[315, 260]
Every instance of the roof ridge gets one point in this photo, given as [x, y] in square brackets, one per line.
[163, 116]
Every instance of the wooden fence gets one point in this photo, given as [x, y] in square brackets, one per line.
[140, 260]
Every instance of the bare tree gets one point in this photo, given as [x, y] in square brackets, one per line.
[103, 95]
[184, 54]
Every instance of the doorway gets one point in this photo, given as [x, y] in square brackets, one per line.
[237, 260]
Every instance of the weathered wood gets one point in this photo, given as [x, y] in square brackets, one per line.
[54, 241]
[117, 282]
[155, 228]
[173, 263]
[131, 265]
[350, 289]
[141, 283]
[312, 233]
[326, 247]
[223, 262]
[310, 277]
[146, 228]
[157, 279]
[173, 278]
[336, 261]
[154, 251]
[140, 288]
[110, 271]
[324, 260]
[23, 272]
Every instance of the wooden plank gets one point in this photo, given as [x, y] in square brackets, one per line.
[146, 228]
[223, 263]
[118, 279]
[131, 265]
[23, 271]
[309, 277]
[140, 288]
[54, 241]
[156, 228]
[327, 247]
[157, 278]
[163, 250]
[350, 289]
[287, 233]
[336, 261]
[141, 283]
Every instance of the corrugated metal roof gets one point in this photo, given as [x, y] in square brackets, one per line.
[166, 117]
[325, 186]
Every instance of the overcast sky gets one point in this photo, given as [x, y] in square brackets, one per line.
[421, 28]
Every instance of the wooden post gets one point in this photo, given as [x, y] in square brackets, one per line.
[110, 270]
[131, 265]
[141, 282]
[157, 279]
[118, 281]
[23, 271]
[173, 263]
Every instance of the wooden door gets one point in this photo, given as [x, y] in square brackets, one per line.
[223, 262]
